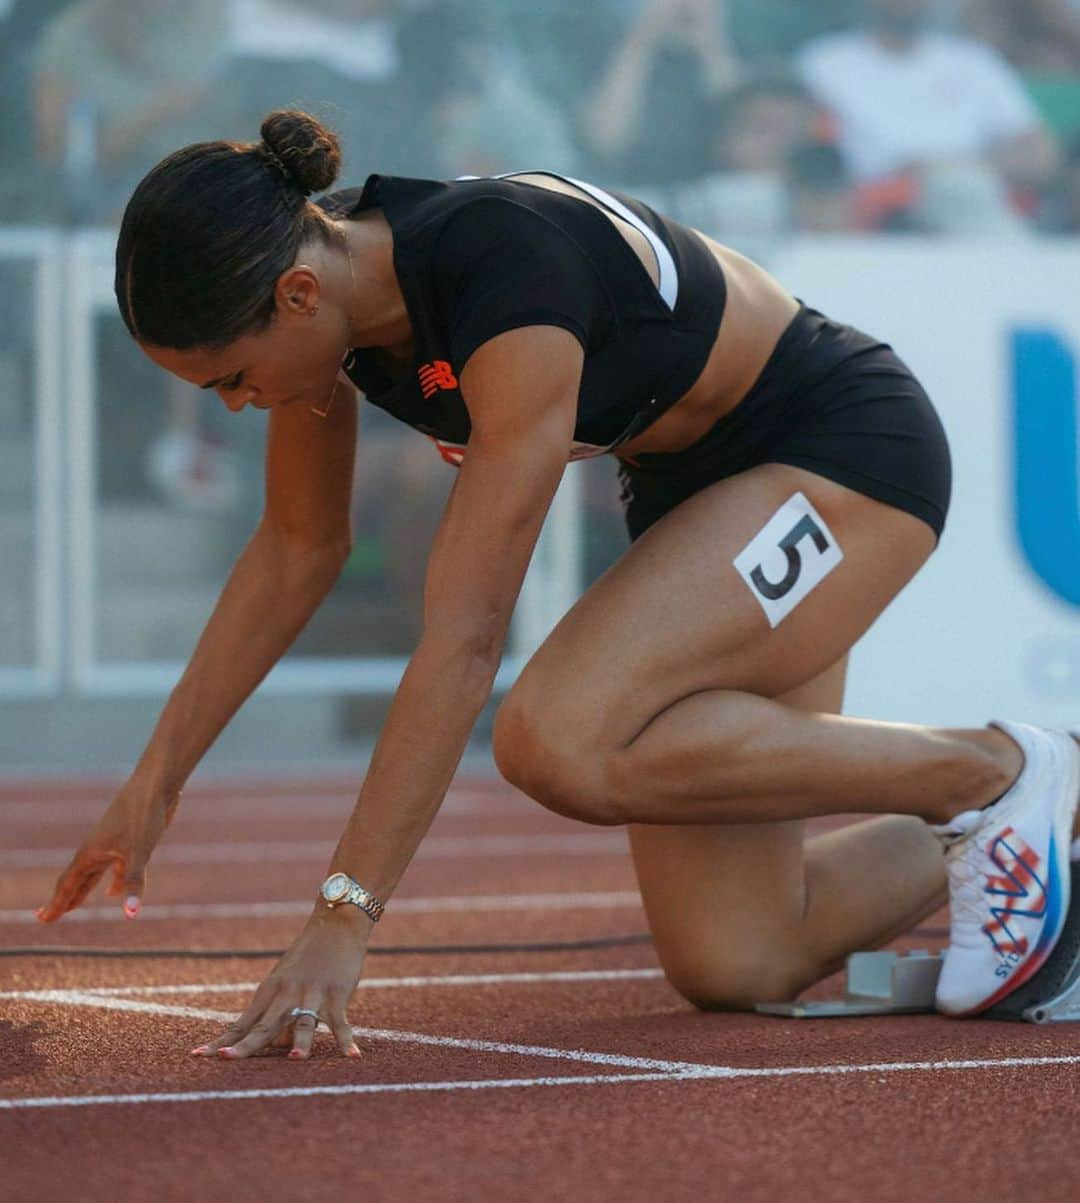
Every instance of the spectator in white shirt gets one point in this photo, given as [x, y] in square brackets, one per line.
[906, 99]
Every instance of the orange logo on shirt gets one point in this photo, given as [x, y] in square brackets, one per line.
[436, 376]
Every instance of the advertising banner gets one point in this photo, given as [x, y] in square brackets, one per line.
[990, 628]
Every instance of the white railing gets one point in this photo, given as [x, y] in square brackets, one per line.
[43, 249]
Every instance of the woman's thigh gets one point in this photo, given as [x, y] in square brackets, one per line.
[676, 615]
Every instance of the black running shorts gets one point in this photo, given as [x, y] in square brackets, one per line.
[830, 399]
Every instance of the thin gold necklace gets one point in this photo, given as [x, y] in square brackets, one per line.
[322, 413]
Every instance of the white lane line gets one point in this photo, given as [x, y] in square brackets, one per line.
[655, 1071]
[305, 851]
[702, 1074]
[80, 998]
[293, 1092]
[288, 910]
[885, 1067]
[370, 983]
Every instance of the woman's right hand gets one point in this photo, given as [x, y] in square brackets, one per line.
[122, 840]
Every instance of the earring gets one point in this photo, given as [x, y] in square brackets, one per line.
[313, 310]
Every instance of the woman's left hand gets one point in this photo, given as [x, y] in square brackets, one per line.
[319, 973]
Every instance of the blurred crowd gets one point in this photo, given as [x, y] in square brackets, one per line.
[746, 118]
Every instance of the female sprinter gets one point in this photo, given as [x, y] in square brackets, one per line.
[784, 478]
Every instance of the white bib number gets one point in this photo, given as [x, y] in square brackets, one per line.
[794, 552]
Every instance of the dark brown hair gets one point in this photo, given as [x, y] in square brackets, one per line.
[209, 230]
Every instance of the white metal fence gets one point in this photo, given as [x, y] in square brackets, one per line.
[31, 514]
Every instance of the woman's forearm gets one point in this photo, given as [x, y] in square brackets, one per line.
[423, 739]
[269, 597]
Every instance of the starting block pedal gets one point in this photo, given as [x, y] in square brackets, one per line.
[886, 983]
[878, 983]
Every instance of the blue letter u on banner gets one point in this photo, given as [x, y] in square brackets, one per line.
[1047, 494]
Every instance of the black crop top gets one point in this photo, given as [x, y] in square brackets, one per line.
[477, 257]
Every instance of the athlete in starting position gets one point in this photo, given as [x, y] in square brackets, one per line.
[783, 476]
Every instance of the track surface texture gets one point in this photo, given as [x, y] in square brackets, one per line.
[556, 1075]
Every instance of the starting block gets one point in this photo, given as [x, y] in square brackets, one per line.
[886, 983]
[878, 983]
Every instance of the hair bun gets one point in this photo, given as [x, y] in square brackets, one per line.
[309, 152]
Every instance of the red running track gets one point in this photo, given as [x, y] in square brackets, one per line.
[577, 1075]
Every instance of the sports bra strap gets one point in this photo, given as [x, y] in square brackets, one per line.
[668, 285]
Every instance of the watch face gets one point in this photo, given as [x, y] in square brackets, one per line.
[335, 887]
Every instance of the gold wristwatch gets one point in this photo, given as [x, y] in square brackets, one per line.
[340, 887]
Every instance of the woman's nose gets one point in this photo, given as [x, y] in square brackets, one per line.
[237, 400]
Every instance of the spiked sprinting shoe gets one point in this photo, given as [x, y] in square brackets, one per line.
[1009, 875]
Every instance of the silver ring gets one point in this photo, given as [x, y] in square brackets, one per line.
[298, 1011]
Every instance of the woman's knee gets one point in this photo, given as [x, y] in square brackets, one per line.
[738, 979]
[548, 765]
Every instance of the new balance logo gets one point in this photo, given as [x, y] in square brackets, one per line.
[1018, 883]
[435, 377]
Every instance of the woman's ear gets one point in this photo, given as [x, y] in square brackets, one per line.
[298, 291]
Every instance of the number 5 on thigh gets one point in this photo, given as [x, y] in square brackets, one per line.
[788, 557]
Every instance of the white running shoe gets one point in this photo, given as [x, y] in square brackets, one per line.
[1009, 875]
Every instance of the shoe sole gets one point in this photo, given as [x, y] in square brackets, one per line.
[1057, 892]
[1058, 973]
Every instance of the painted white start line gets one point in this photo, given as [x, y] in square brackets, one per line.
[641, 1069]
[289, 910]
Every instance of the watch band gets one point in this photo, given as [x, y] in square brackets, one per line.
[366, 901]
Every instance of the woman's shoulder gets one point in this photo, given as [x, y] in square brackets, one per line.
[455, 219]
[408, 195]
[409, 202]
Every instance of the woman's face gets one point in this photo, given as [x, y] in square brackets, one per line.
[294, 359]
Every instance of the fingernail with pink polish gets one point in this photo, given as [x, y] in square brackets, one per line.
[353, 1052]
[227, 1052]
[296, 1055]
[198, 1052]
[131, 907]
